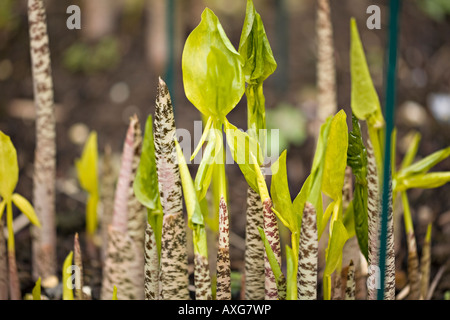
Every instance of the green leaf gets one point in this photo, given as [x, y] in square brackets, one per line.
[87, 165]
[2, 208]
[114, 297]
[409, 227]
[336, 243]
[349, 221]
[88, 178]
[357, 160]
[203, 137]
[425, 164]
[279, 190]
[359, 210]
[315, 195]
[336, 157]
[37, 290]
[412, 150]
[193, 209]
[145, 185]
[424, 181]
[271, 256]
[364, 99]
[241, 145]
[291, 274]
[67, 277]
[254, 48]
[26, 208]
[299, 202]
[9, 169]
[212, 69]
[210, 157]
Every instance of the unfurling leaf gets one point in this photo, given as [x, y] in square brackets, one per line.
[37, 290]
[67, 277]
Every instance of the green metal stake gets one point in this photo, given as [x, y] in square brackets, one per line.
[170, 71]
[389, 111]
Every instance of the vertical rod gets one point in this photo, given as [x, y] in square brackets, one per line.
[389, 114]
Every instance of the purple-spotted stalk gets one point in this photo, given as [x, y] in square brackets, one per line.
[326, 73]
[308, 255]
[174, 261]
[413, 258]
[78, 261]
[350, 287]
[44, 239]
[123, 266]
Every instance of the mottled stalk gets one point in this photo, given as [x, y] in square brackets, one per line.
[223, 291]
[413, 267]
[137, 212]
[173, 270]
[326, 73]
[273, 237]
[79, 263]
[308, 255]
[123, 267]
[425, 264]
[151, 281]
[373, 210]
[44, 238]
[350, 287]
[389, 286]
[202, 279]
[254, 248]
[337, 285]
[3, 265]
[108, 180]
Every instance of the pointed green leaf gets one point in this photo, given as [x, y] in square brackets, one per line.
[212, 69]
[291, 275]
[424, 181]
[203, 137]
[210, 157]
[336, 243]
[145, 185]
[87, 165]
[364, 99]
[26, 208]
[412, 150]
[2, 208]
[336, 157]
[67, 277]
[192, 204]
[271, 256]
[279, 189]
[37, 290]
[241, 145]
[425, 164]
[9, 169]
[114, 297]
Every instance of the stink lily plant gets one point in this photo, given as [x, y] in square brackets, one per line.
[9, 175]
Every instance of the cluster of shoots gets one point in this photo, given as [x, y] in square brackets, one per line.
[145, 254]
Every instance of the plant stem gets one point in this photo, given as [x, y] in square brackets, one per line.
[14, 284]
[151, 281]
[223, 291]
[3, 265]
[44, 238]
[308, 255]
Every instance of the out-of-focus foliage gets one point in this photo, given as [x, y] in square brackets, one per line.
[9, 20]
[435, 9]
[290, 123]
[81, 57]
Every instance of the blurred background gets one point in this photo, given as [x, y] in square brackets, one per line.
[108, 71]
